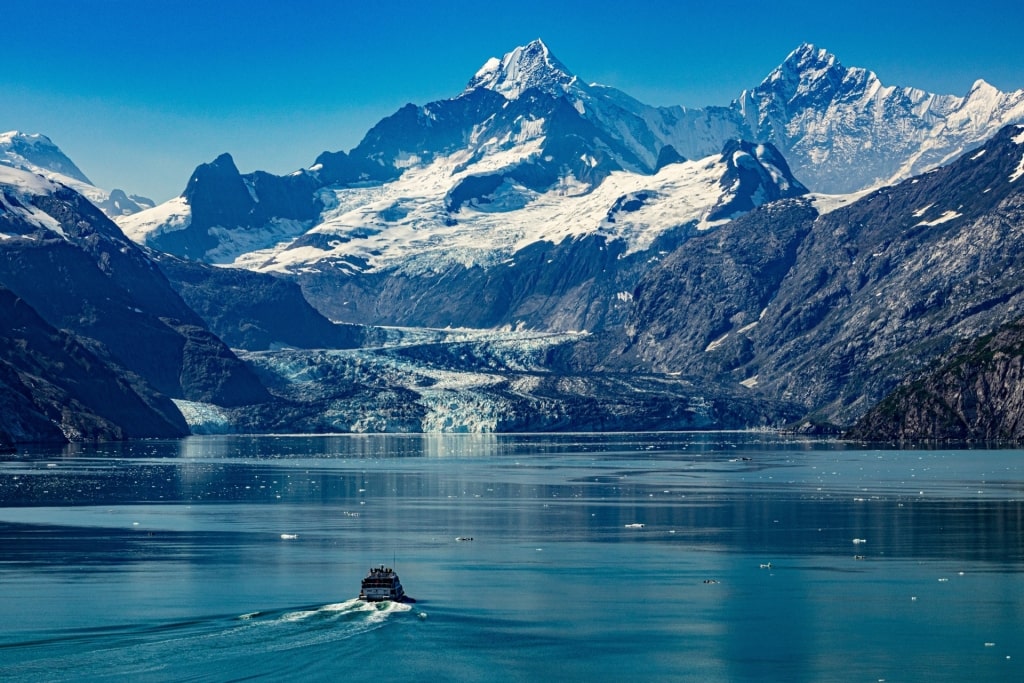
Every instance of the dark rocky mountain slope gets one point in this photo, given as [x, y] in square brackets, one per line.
[97, 283]
[977, 393]
[255, 311]
[71, 266]
[54, 388]
[863, 296]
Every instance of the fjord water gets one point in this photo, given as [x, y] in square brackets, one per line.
[727, 557]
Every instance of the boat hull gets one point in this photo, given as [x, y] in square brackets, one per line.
[382, 584]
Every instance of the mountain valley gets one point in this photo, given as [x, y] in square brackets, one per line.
[537, 254]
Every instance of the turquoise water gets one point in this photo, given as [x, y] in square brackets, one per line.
[758, 558]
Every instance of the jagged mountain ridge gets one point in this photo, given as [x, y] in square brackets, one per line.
[845, 130]
[526, 126]
[841, 129]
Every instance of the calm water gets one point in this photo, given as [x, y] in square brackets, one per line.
[235, 558]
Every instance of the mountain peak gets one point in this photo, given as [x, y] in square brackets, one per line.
[805, 65]
[809, 56]
[984, 89]
[30, 139]
[810, 72]
[37, 153]
[528, 66]
[216, 185]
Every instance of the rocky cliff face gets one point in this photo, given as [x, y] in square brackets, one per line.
[578, 284]
[883, 286]
[696, 311]
[255, 311]
[222, 202]
[53, 387]
[977, 393]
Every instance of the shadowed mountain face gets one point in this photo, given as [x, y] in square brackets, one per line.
[255, 311]
[66, 267]
[56, 388]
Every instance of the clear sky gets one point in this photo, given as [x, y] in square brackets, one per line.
[139, 92]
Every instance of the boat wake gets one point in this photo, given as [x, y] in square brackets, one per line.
[233, 643]
[355, 612]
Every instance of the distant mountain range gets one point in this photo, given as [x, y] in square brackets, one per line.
[555, 255]
[527, 129]
[528, 155]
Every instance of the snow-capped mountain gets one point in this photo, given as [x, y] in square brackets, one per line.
[843, 130]
[38, 154]
[529, 66]
[531, 159]
[456, 218]
[526, 128]
[527, 153]
[436, 216]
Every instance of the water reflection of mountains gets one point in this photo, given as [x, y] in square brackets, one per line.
[695, 492]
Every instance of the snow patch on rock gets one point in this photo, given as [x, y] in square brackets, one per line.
[944, 218]
[1015, 176]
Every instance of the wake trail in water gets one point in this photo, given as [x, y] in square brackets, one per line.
[146, 650]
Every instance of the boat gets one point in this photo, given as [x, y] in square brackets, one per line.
[382, 583]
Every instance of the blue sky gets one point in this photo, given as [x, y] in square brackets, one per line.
[139, 92]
